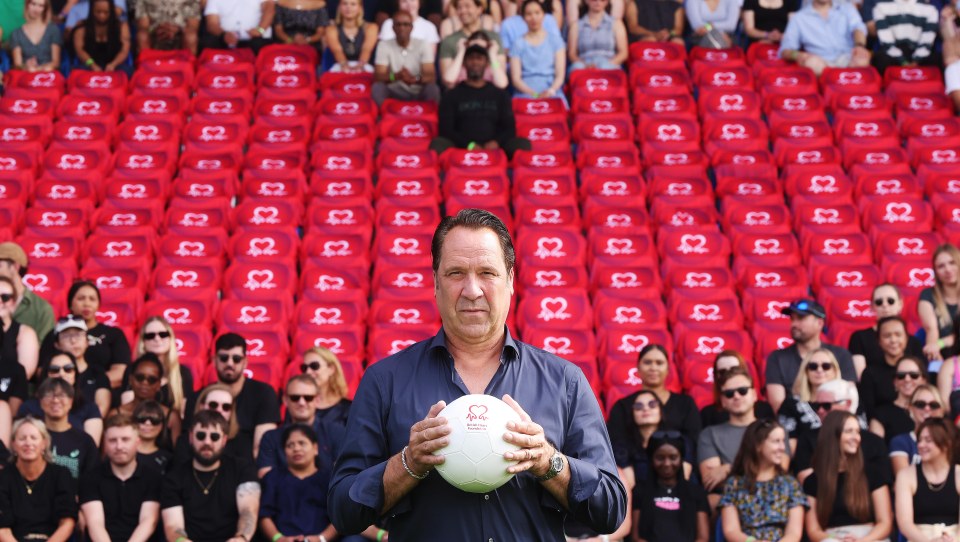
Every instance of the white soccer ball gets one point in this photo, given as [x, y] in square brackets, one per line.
[473, 461]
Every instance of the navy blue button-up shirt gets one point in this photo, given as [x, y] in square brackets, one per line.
[399, 391]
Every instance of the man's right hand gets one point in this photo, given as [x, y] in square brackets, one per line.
[427, 436]
[231, 39]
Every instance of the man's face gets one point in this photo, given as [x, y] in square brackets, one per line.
[468, 12]
[475, 65]
[300, 401]
[230, 364]
[402, 26]
[8, 269]
[742, 396]
[207, 443]
[805, 327]
[473, 287]
[827, 401]
[120, 444]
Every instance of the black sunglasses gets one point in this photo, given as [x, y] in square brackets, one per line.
[648, 405]
[55, 369]
[236, 358]
[669, 433]
[924, 404]
[297, 398]
[152, 420]
[914, 375]
[827, 405]
[225, 407]
[214, 437]
[825, 366]
[313, 365]
[742, 391]
[879, 301]
[156, 334]
[149, 379]
[6, 298]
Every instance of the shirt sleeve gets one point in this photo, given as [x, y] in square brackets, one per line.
[810, 485]
[448, 121]
[796, 496]
[171, 494]
[899, 445]
[268, 495]
[120, 351]
[268, 450]
[248, 472]
[692, 9]
[729, 22]
[380, 57]
[854, 20]
[706, 448]
[774, 374]
[867, 391]
[269, 411]
[426, 53]
[213, 8]
[789, 42]
[89, 488]
[729, 493]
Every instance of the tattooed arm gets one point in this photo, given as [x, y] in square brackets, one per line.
[248, 503]
[174, 525]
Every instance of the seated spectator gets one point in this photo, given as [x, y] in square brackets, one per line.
[70, 336]
[351, 39]
[157, 337]
[905, 31]
[679, 410]
[714, 413]
[81, 11]
[655, 20]
[938, 304]
[826, 34]
[238, 23]
[300, 400]
[950, 33]
[472, 32]
[154, 449]
[538, 59]
[72, 448]
[891, 419]
[806, 324]
[37, 496]
[404, 66]
[454, 23]
[36, 46]
[167, 24]
[766, 22]
[876, 382]
[294, 501]
[84, 413]
[323, 366]
[668, 506]
[218, 398]
[597, 40]
[759, 499]
[107, 346]
[477, 114]
[797, 415]
[19, 349]
[29, 308]
[847, 497]
[121, 489]
[925, 403]
[212, 495]
[713, 22]
[420, 29]
[515, 26]
[301, 22]
[576, 9]
[647, 419]
[928, 496]
[865, 343]
[146, 374]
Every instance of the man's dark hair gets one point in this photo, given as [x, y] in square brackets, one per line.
[209, 418]
[228, 341]
[473, 219]
[54, 385]
[475, 50]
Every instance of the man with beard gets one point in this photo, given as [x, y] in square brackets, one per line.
[806, 324]
[476, 114]
[120, 489]
[214, 497]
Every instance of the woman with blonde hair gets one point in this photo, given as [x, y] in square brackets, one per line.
[796, 414]
[217, 397]
[925, 403]
[332, 403]
[157, 337]
[351, 39]
[938, 304]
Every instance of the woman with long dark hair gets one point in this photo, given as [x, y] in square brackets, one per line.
[102, 42]
[847, 497]
[146, 376]
[893, 419]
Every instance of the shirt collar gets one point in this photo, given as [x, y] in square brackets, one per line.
[511, 350]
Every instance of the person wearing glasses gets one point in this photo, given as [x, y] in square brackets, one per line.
[72, 448]
[157, 337]
[714, 413]
[218, 398]
[796, 414]
[939, 303]
[865, 343]
[155, 449]
[927, 497]
[19, 344]
[889, 420]
[403, 67]
[146, 375]
[214, 495]
[323, 366]
[300, 401]
[121, 489]
[84, 414]
[646, 419]
[849, 500]
[70, 335]
[925, 403]
[877, 382]
[807, 318]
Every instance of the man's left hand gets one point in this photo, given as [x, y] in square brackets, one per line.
[254, 33]
[535, 452]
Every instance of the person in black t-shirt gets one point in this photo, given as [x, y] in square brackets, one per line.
[477, 114]
[84, 414]
[864, 343]
[121, 489]
[71, 447]
[668, 507]
[145, 380]
[214, 497]
[70, 335]
[19, 348]
[155, 448]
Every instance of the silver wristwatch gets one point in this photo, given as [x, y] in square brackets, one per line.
[556, 466]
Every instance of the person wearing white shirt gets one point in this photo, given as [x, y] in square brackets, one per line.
[423, 29]
[238, 23]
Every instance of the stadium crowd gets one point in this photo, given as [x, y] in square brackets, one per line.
[113, 441]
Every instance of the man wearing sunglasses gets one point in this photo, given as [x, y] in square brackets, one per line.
[300, 401]
[214, 497]
[806, 324]
[564, 467]
[30, 309]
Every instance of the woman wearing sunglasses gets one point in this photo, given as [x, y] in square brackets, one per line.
[865, 343]
[217, 397]
[332, 403]
[877, 381]
[849, 499]
[146, 375]
[714, 414]
[84, 413]
[157, 337]
[891, 419]
[796, 414]
[154, 449]
[19, 341]
[925, 403]
[927, 497]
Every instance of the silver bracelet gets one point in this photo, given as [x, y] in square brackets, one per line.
[403, 459]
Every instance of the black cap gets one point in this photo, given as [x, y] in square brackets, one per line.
[475, 49]
[805, 306]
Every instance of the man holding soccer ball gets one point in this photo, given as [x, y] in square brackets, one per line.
[564, 464]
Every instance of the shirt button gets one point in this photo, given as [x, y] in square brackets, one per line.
[486, 497]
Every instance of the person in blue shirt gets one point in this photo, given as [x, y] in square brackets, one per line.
[826, 34]
[564, 468]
